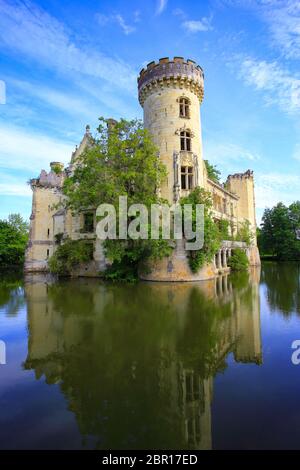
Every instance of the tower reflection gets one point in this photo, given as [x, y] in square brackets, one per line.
[136, 363]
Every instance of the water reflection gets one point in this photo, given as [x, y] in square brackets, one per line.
[136, 363]
[11, 292]
[283, 287]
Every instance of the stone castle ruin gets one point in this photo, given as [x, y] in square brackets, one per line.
[171, 93]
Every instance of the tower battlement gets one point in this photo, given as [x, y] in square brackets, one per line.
[176, 73]
[247, 175]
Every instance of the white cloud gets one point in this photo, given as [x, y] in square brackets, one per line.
[195, 26]
[15, 189]
[102, 19]
[283, 20]
[279, 85]
[127, 29]
[179, 12]
[271, 188]
[296, 154]
[136, 16]
[21, 149]
[11, 185]
[283, 17]
[65, 102]
[228, 156]
[29, 31]
[161, 6]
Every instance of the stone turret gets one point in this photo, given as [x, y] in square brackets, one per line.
[242, 184]
[170, 92]
[175, 73]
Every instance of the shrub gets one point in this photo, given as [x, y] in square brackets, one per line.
[212, 238]
[238, 260]
[69, 256]
[224, 229]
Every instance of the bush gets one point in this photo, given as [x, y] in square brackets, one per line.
[212, 237]
[238, 260]
[69, 256]
[129, 257]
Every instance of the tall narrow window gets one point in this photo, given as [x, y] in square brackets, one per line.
[184, 108]
[88, 222]
[185, 141]
[47, 254]
[187, 177]
[48, 232]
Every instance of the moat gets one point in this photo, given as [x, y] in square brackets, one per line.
[202, 365]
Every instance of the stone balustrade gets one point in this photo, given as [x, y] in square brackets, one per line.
[224, 253]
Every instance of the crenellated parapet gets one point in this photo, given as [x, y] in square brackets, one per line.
[48, 180]
[176, 73]
[242, 176]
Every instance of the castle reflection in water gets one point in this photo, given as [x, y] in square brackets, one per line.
[137, 363]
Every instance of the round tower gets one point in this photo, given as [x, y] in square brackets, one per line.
[170, 93]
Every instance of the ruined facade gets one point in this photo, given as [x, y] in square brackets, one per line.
[170, 92]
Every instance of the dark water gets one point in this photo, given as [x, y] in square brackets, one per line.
[185, 366]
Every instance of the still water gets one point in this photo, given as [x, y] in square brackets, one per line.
[170, 366]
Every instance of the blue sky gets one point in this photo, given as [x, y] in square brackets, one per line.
[66, 63]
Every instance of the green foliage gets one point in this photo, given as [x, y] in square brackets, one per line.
[57, 169]
[58, 238]
[17, 222]
[212, 237]
[224, 229]
[212, 172]
[13, 240]
[129, 257]
[122, 162]
[244, 233]
[278, 232]
[69, 256]
[238, 260]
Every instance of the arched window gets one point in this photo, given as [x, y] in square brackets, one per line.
[184, 107]
[185, 141]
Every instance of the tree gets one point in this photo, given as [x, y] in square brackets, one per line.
[278, 231]
[13, 240]
[123, 161]
[17, 222]
[212, 172]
